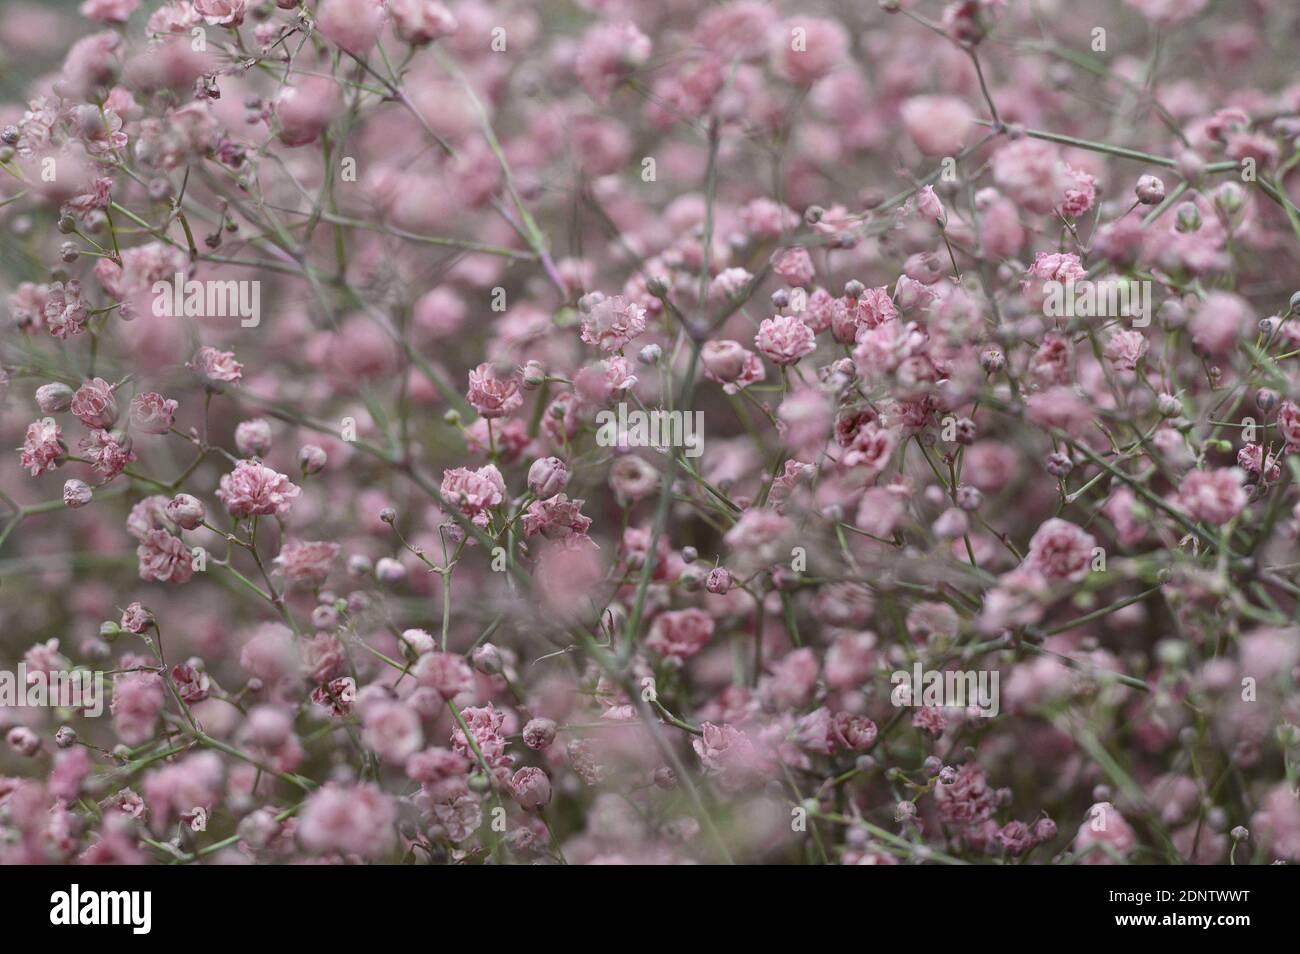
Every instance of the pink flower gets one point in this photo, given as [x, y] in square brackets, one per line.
[306, 563]
[108, 453]
[474, 491]
[306, 108]
[65, 310]
[164, 558]
[484, 724]
[938, 125]
[731, 365]
[1288, 423]
[42, 449]
[1125, 349]
[607, 54]
[137, 702]
[804, 49]
[794, 266]
[1061, 551]
[152, 413]
[612, 322]
[353, 25]
[226, 13]
[727, 753]
[94, 405]
[421, 21]
[1214, 496]
[531, 788]
[350, 819]
[492, 393]
[678, 635]
[391, 729]
[784, 339]
[555, 518]
[109, 11]
[216, 367]
[1222, 322]
[1103, 835]
[253, 489]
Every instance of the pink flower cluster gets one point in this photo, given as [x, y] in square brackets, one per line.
[587, 423]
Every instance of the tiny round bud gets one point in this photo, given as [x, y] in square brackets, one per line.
[780, 299]
[24, 741]
[650, 354]
[253, 437]
[665, 778]
[690, 554]
[388, 515]
[10, 135]
[1188, 217]
[66, 224]
[719, 581]
[76, 494]
[947, 775]
[487, 659]
[54, 398]
[854, 289]
[69, 252]
[932, 765]
[1150, 190]
[1229, 198]
[968, 498]
[692, 576]
[1266, 399]
[547, 477]
[1295, 303]
[534, 375]
[657, 285]
[1168, 405]
[65, 737]
[452, 417]
[992, 362]
[311, 459]
[1059, 464]
[185, 511]
[109, 630]
[359, 565]
[1044, 830]
[1240, 833]
[539, 733]
[389, 571]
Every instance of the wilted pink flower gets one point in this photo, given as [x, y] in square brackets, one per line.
[531, 788]
[152, 413]
[794, 266]
[108, 453]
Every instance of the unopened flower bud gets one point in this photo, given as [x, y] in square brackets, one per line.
[650, 354]
[388, 515]
[547, 477]
[718, 582]
[311, 459]
[76, 494]
[185, 511]
[54, 398]
[1188, 218]
[65, 737]
[1168, 405]
[534, 375]
[539, 733]
[389, 571]
[487, 659]
[1150, 190]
